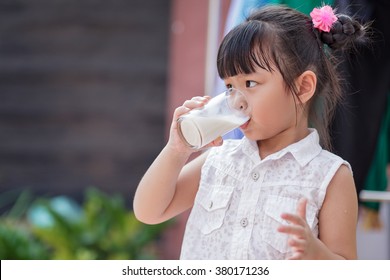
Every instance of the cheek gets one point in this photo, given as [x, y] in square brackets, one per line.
[275, 109]
[284, 101]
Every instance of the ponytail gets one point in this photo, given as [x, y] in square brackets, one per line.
[337, 31]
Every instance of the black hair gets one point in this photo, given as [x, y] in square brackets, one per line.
[281, 37]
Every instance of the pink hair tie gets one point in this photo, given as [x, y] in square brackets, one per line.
[323, 18]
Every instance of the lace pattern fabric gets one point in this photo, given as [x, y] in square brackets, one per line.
[241, 197]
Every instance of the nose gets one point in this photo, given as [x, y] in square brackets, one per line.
[238, 101]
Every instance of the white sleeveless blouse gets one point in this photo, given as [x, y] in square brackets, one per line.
[241, 197]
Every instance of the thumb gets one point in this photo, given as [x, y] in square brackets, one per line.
[216, 142]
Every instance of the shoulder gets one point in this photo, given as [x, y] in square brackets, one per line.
[334, 167]
[342, 181]
[333, 158]
[329, 172]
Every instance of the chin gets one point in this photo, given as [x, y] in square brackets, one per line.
[253, 135]
[249, 135]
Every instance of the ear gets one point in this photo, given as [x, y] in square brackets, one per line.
[306, 85]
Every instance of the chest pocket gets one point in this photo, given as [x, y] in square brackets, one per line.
[274, 207]
[210, 207]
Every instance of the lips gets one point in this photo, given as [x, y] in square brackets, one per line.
[245, 125]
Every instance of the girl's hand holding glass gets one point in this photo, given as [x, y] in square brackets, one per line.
[175, 141]
[201, 127]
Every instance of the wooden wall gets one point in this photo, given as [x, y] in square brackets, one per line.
[82, 93]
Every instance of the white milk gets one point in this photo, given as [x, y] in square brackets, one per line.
[199, 131]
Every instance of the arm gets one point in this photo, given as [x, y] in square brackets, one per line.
[337, 223]
[169, 186]
[340, 212]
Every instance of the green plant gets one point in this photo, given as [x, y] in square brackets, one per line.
[16, 239]
[59, 228]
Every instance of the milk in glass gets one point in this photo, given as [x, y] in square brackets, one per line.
[220, 115]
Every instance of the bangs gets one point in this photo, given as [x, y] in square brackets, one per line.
[244, 49]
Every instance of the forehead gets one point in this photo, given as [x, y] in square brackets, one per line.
[246, 47]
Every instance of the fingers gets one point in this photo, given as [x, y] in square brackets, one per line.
[292, 229]
[297, 222]
[300, 216]
[188, 105]
[297, 244]
[196, 102]
[300, 235]
[298, 248]
[293, 218]
[180, 111]
[296, 256]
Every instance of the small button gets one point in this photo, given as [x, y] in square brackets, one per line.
[255, 176]
[244, 222]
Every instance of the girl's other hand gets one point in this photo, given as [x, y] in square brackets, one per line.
[302, 241]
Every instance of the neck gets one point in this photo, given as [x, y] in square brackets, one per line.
[281, 140]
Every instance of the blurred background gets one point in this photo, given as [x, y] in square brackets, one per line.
[83, 88]
[87, 91]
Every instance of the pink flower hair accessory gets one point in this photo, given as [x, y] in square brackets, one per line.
[323, 18]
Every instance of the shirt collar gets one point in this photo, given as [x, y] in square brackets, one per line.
[303, 151]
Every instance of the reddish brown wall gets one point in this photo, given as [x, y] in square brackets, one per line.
[186, 79]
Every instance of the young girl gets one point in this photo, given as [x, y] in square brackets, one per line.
[275, 194]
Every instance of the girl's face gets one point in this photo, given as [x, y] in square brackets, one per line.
[273, 110]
